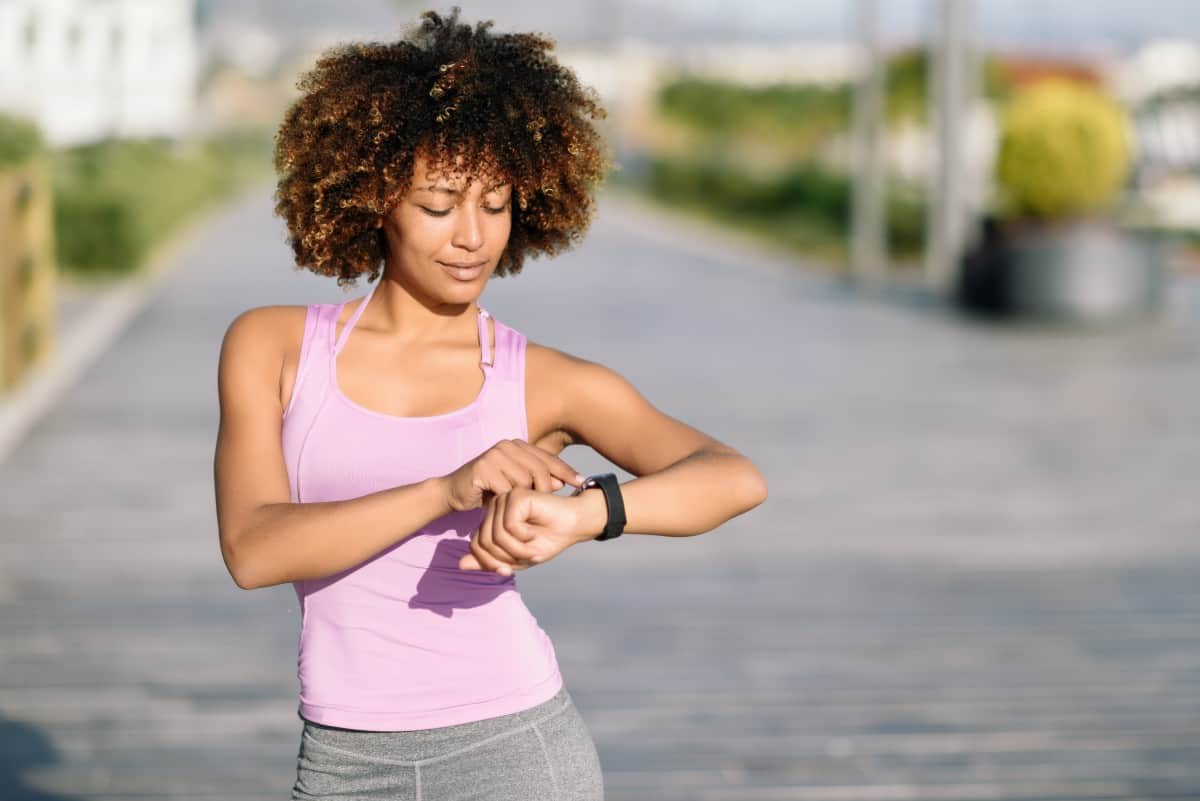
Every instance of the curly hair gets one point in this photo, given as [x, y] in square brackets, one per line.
[502, 103]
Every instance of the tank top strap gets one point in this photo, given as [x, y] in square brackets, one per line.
[341, 340]
[486, 357]
[508, 358]
[308, 350]
[326, 323]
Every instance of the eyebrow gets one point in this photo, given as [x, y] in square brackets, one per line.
[447, 190]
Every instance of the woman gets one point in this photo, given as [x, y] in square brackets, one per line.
[362, 457]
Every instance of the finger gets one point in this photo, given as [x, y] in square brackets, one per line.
[494, 557]
[516, 553]
[524, 468]
[481, 542]
[515, 548]
[562, 471]
[514, 517]
[526, 512]
[477, 551]
[493, 479]
[554, 466]
[485, 560]
[512, 524]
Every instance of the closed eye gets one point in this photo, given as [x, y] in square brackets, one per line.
[444, 212]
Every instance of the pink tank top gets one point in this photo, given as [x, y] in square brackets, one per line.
[407, 640]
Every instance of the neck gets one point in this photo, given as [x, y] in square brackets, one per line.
[398, 313]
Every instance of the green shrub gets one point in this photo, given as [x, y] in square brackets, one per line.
[97, 231]
[115, 200]
[806, 206]
[780, 112]
[1063, 150]
[19, 140]
[789, 112]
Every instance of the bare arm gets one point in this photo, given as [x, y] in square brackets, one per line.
[696, 494]
[686, 482]
[265, 538]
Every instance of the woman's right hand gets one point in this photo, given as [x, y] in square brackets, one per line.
[507, 464]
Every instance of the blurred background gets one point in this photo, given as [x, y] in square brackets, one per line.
[934, 265]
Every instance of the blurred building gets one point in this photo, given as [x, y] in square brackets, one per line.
[1157, 67]
[86, 70]
[626, 70]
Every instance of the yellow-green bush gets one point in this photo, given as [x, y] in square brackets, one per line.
[1064, 150]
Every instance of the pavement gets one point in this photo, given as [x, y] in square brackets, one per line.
[974, 578]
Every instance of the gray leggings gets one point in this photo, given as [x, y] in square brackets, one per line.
[544, 753]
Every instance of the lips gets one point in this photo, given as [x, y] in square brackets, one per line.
[464, 273]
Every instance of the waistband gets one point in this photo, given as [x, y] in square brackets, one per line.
[425, 745]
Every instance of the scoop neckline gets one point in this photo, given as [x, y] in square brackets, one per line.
[488, 370]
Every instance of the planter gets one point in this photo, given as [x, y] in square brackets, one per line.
[1077, 272]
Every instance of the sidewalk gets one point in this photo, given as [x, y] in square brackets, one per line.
[975, 575]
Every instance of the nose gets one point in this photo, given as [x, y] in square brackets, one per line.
[468, 233]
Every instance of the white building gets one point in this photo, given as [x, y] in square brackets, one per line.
[89, 69]
[1158, 66]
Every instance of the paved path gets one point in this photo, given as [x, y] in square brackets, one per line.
[975, 577]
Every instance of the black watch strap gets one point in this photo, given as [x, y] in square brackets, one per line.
[607, 482]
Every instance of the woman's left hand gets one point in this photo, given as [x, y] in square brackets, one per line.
[524, 527]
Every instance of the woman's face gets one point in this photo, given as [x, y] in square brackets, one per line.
[444, 236]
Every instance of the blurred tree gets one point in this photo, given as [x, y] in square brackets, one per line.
[1063, 150]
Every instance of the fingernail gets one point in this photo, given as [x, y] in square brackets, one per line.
[580, 479]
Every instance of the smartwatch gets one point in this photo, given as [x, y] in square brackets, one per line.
[607, 482]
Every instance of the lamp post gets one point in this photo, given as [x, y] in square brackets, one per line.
[868, 247]
[951, 82]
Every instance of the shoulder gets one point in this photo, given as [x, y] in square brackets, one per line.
[265, 324]
[264, 335]
[577, 374]
[577, 384]
[597, 406]
[552, 360]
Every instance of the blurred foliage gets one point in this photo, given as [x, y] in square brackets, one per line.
[807, 207]
[19, 140]
[792, 111]
[778, 112]
[1064, 150]
[115, 200]
[907, 84]
[1176, 95]
[799, 203]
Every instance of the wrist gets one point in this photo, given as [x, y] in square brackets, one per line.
[592, 514]
[439, 488]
